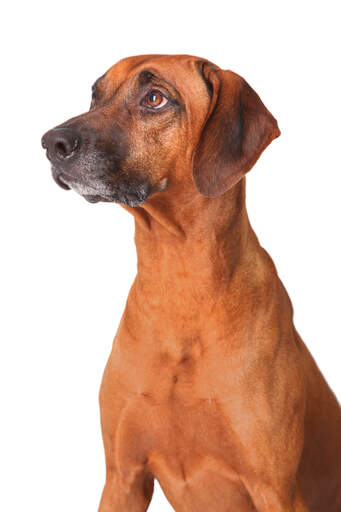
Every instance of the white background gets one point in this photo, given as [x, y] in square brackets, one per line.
[67, 265]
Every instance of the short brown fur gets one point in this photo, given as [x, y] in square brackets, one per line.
[209, 388]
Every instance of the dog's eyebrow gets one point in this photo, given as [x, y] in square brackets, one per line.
[147, 76]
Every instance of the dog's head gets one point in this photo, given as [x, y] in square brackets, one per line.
[155, 123]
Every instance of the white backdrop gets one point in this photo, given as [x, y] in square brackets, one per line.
[66, 265]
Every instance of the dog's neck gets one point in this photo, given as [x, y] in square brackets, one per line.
[202, 238]
[194, 258]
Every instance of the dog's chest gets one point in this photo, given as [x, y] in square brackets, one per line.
[189, 448]
[180, 422]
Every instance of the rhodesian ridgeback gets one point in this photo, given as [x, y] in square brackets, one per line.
[209, 387]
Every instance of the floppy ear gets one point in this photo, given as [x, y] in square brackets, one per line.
[238, 128]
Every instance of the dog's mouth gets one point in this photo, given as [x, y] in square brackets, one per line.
[130, 191]
[58, 178]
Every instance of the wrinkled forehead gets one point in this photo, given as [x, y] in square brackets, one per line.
[181, 71]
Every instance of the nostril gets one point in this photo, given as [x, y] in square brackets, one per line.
[61, 149]
[65, 147]
[61, 143]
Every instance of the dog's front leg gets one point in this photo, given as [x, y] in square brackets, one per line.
[129, 484]
[127, 496]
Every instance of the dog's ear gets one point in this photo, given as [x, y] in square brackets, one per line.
[237, 129]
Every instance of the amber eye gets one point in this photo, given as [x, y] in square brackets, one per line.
[155, 99]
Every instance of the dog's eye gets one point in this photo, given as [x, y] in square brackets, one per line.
[154, 99]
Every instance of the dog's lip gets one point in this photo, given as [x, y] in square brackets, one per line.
[58, 178]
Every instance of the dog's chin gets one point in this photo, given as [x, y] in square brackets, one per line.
[95, 199]
[130, 195]
[128, 199]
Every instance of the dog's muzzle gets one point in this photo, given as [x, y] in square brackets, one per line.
[83, 163]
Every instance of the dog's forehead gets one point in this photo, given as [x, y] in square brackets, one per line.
[181, 70]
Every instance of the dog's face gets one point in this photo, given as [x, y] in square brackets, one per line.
[148, 128]
[134, 136]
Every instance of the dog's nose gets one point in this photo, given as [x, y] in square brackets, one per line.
[61, 143]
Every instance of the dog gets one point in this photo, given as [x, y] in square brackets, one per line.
[209, 387]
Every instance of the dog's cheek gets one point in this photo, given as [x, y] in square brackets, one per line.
[155, 152]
